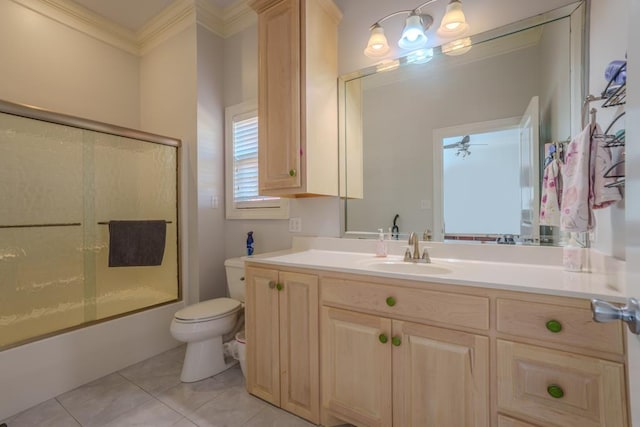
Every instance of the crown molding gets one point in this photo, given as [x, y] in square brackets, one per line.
[81, 19]
[176, 17]
[225, 22]
[237, 17]
[210, 17]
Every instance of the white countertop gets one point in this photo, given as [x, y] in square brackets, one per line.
[608, 283]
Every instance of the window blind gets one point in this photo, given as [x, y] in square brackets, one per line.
[245, 165]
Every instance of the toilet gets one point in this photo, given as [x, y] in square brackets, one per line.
[203, 325]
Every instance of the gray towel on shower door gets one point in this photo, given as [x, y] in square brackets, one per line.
[136, 243]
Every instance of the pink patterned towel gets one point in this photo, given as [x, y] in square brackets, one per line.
[575, 212]
[551, 194]
[584, 186]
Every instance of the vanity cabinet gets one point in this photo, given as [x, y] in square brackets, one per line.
[341, 348]
[380, 370]
[297, 97]
[282, 344]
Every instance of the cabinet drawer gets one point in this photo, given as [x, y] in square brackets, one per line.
[561, 389]
[510, 422]
[558, 324]
[407, 303]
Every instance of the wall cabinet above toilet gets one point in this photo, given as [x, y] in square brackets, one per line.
[297, 97]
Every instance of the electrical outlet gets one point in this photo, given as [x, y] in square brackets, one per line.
[215, 204]
[295, 225]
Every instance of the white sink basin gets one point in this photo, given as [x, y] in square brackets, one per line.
[396, 266]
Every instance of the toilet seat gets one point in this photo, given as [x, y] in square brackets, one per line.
[207, 310]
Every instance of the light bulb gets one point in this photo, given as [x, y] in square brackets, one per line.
[453, 23]
[377, 45]
[413, 36]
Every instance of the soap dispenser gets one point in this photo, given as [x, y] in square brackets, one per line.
[381, 244]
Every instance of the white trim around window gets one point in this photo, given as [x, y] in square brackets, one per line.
[241, 168]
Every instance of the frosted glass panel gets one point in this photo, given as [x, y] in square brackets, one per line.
[57, 183]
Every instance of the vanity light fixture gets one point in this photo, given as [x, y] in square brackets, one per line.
[416, 24]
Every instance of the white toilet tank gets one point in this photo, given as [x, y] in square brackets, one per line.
[235, 277]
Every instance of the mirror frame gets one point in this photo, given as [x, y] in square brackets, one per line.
[578, 13]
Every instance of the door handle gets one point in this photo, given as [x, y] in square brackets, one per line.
[630, 314]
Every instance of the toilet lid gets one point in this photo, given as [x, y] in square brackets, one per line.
[207, 310]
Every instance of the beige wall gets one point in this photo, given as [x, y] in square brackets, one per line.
[52, 66]
[168, 99]
[210, 110]
[608, 41]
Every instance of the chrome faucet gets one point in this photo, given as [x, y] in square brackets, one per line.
[415, 256]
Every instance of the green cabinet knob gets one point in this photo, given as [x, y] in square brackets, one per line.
[272, 284]
[383, 338]
[396, 341]
[391, 301]
[555, 391]
[554, 326]
[279, 286]
[292, 172]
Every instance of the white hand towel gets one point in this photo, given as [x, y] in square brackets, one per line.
[551, 194]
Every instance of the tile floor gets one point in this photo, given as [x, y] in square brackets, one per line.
[150, 393]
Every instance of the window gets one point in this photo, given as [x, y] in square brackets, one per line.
[241, 146]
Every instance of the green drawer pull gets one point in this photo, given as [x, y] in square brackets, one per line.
[272, 284]
[555, 391]
[391, 301]
[396, 341]
[383, 338]
[279, 286]
[554, 326]
[292, 172]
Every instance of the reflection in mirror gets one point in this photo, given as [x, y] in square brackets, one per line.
[470, 165]
[403, 135]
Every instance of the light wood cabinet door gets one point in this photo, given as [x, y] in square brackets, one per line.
[297, 97]
[560, 389]
[356, 367]
[299, 345]
[262, 331]
[279, 95]
[440, 377]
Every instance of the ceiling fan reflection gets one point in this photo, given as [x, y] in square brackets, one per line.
[462, 146]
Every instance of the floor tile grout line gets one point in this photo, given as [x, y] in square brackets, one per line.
[255, 415]
[67, 410]
[151, 395]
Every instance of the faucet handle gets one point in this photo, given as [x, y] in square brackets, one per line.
[407, 254]
[425, 256]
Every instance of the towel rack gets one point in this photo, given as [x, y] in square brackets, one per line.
[613, 140]
[60, 224]
[107, 222]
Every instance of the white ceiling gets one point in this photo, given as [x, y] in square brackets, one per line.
[134, 14]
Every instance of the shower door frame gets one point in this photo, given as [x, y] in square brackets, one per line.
[36, 113]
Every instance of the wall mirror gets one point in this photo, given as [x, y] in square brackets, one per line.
[456, 145]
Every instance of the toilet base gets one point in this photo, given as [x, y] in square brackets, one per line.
[204, 359]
